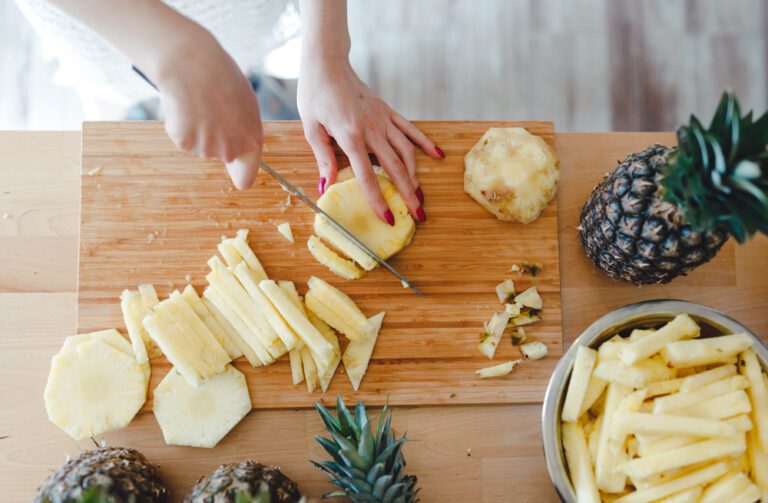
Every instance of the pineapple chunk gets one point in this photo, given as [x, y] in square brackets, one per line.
[529, 298]
[493, 330]
[358, 353]
[222, 334]
[512, 309]
[346, 203]
[336, 264]
[295, 318]
[201, 416]
[505, 290]
[534, 350]
[285, 230]
[93, 389]
[336, 309]
[499, 370]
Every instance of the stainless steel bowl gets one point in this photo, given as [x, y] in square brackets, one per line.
[641, 315]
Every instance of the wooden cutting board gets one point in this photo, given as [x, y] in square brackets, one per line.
[150, 213]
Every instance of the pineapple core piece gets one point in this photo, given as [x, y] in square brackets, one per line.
[202, 416]
[93, 387]
[511, 173]
[347, 204]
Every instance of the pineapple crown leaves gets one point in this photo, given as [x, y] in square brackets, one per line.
[719, 175]
[367, 462]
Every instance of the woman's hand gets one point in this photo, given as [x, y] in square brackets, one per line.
[335, 103]
[211, 109]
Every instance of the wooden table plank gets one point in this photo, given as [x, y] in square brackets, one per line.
[506, 457]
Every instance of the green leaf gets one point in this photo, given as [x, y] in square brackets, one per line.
[366, 447]
[346, 421]
[381, 485]
[330, 422]
[374, 473]
[351, 457]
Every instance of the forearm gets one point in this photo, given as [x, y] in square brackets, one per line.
[324, 29]
[149, 32]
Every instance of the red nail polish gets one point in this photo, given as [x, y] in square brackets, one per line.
[440, 152]
[390, 218]
[419, 195]
[422, 217]
[320, 186]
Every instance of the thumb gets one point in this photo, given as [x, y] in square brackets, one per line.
[320, 141]
[244, 168]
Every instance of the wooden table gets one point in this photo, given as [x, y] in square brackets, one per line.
[460, 453]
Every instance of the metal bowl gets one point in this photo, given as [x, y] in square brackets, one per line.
[647, 314]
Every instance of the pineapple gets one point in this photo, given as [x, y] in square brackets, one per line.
[285, 230]
[93, 388]
[246, 481]
[336, 309]
[367, 460]
[114, 474]
[201, 416]
[337, 265]
[665, 211]
[227, 340]
[135, 305]
[358, 354]
[347, 204]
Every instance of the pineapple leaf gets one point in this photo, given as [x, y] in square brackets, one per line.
[381, 485]
[346, 421]
[374, 473]
[361, 417]
[352, 458]
[330, 422]
[366, 448]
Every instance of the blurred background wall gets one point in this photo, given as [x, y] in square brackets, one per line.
[586, 64]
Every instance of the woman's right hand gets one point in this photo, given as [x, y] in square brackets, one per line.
[211, 109]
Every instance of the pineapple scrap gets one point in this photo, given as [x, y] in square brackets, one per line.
[493, 330]
[499, 370]
[505, 290]
[285, 230]
[534, 350]
[529, 298]
[518, 337]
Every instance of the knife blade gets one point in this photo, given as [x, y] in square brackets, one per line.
[299, 193]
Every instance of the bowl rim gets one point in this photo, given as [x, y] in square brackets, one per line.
[555, 393]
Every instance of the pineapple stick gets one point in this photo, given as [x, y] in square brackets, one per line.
[681, 327]
[310, 371]
[166, 335]
[249, 257]
[132, 306]
[336, 309]
[358, 354]
[211, 343]
[236, 296]
[326, 374]
[758, 395]
[294, 355]
[218, 301]
[233, 334]
[609, 476]
[228, 250]
[218, 331]
[297, 369]
[249, 280]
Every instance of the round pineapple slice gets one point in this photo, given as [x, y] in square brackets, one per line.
[202, 416]
[94, 388]
[511, 173]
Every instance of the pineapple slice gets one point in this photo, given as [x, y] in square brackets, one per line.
[310, 370]
[336, 309]
[529, 298]
[358, 353]
[110, 337]
[94, 389]
[251, 283]
[321, 349]
[220, 304]
[499, 370]
[135, 305]
[493, 330]
[336, 264]
[201, 416]
[347, 204]
[285, 230]
[222, 335]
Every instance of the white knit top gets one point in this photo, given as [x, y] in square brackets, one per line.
[247, 29]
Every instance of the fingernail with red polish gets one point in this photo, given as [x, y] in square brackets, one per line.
[419, 195]
[422, 217]
[440, 152]
[320, 186]
[390, 218]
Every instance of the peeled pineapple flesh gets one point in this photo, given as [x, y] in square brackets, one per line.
[135, 305]
[94, 388]
[202, 416]
[336, 309]
[339, 266]
[511, 173]
[346, 203]
[358, 354]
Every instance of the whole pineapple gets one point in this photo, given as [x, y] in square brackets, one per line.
[665, 211]
[105, 474]
[245, 482]
[367, 466]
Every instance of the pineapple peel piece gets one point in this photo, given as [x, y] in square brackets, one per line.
[201, 416]
[511, 173]
[499, 370]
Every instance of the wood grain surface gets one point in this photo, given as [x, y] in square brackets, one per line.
[39, 190]
[155, 215]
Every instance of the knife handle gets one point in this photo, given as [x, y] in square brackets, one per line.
[244, 169]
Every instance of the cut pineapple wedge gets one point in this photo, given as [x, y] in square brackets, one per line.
[336, 264]
[222, 335]
[310, 336]
[358, 353]
[346, 203]
[336, 309]
[94, 388]
[201, 416]
[135, 305]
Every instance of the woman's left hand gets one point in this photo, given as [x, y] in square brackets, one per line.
[335, 104]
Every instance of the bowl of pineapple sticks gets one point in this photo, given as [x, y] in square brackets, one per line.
[659, 401]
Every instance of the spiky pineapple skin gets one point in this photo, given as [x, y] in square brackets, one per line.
[227, 481]
[124, 475]
[632, 234]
